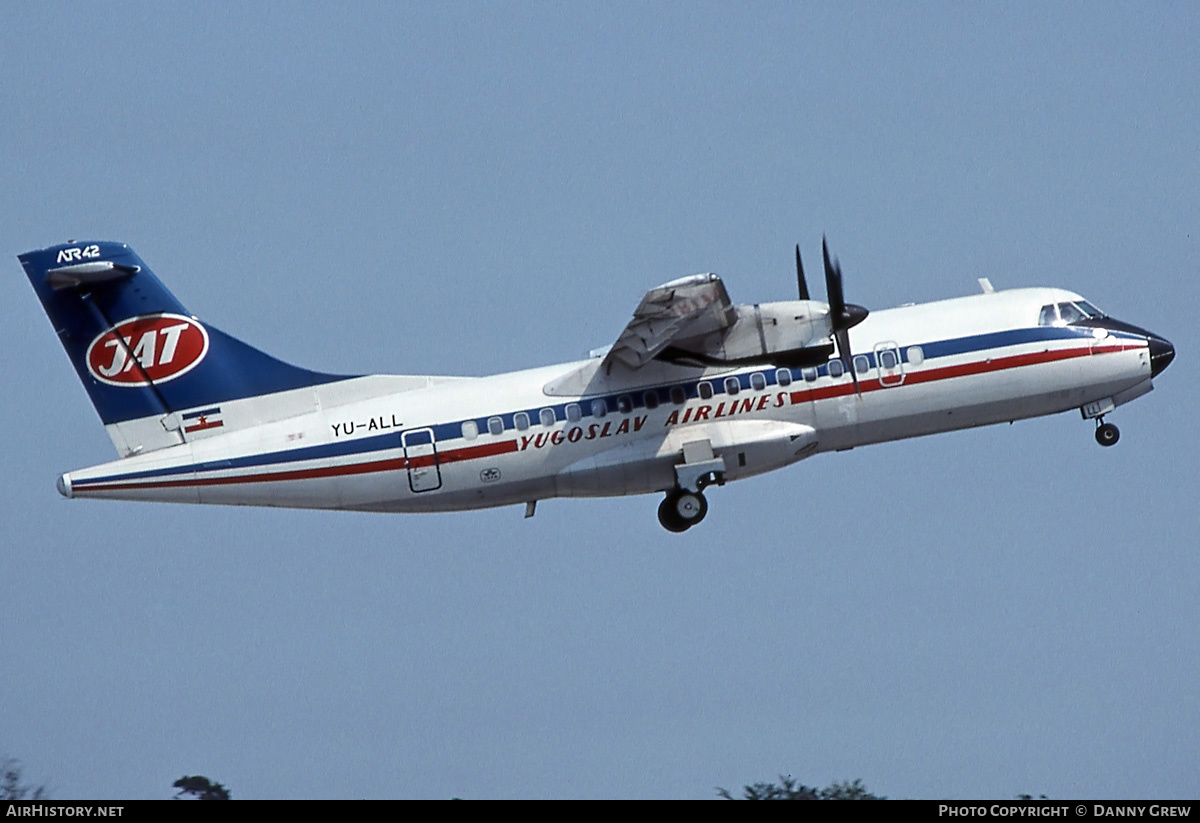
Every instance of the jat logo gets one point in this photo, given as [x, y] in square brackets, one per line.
[153, 347]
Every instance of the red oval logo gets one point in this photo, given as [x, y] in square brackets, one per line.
[153, 347]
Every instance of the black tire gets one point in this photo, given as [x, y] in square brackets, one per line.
[668, 518]
[1107, 434]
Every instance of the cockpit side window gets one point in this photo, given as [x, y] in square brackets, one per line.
[1049, 316]
[1089, 309]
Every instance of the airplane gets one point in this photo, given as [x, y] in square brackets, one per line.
[696, 392]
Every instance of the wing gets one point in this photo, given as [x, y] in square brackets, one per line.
[679, 310]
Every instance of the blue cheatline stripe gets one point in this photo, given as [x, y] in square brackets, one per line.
[447, 432]
[344, 448]
[937, 348]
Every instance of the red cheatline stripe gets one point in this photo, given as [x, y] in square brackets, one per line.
[394, 464]
[961, 370]
[506, 446]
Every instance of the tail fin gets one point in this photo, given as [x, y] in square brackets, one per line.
[151, 369]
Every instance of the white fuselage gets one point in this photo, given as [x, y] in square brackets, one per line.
[438, 444]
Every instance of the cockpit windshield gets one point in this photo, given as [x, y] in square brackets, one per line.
[1064, 314]
[1069, 313]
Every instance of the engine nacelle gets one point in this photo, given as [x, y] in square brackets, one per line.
[763, 330]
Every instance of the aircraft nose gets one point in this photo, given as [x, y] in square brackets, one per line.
[1161, 354]
[1161, 350]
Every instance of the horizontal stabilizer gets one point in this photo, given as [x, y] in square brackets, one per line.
[83, 275]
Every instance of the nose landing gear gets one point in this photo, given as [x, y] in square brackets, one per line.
[1106, 433]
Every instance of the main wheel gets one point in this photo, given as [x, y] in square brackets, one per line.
[1107, 434]
[680, 510]
[668, 518]
[690, 507]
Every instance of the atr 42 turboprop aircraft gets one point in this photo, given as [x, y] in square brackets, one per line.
[696, 391]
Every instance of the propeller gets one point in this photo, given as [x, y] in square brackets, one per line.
[800, 276]
[843, 316]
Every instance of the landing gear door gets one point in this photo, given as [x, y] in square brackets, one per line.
[890, 364]
[420, 455]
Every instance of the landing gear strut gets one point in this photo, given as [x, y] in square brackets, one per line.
[681, 509]
[1106, 433]
[685, 506]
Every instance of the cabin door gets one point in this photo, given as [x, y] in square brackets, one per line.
[420, 455]
[891, 366]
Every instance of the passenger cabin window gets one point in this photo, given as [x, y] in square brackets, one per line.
[547, 416]
[705, 390]
[810, 374]
[916, 355]
[624, 404]
[887, 359]
[599, 408]
[521, 421]
[732, 386]
[836, 369]
[784, 377]
[758, 381]
[574, 413]
[650, 399]
[495, 425]
[678, 395]
[470, 430]
[862, 364]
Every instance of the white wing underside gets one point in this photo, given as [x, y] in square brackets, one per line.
[680, 310]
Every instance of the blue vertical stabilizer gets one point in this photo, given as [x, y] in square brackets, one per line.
[136, 349]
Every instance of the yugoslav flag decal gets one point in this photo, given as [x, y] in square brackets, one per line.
[205, 419]
[150, 348]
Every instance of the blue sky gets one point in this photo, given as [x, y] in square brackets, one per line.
[469, 188]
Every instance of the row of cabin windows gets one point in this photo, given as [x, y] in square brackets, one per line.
[521, 421]
[888, 359]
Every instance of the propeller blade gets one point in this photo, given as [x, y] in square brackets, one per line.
[833, 289]
[842, 316]
[800, 276]
[845, 355]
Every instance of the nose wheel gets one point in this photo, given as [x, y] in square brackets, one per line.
[681, 509]
[1107, 434]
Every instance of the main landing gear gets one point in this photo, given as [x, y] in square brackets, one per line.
[683, 508]
[1106, 433]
